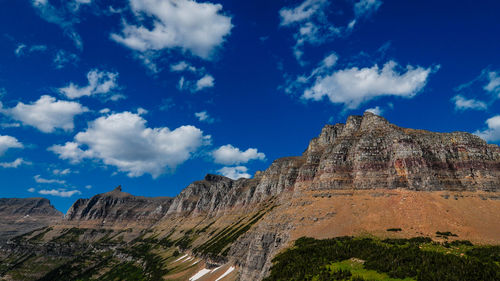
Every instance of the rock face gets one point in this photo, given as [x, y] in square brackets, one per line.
[21, 215]
[117, 209]
[369, 153]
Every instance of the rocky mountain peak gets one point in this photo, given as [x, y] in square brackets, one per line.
[118, 207]
[25, 214]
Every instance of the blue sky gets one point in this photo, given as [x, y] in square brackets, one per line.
[154, 94]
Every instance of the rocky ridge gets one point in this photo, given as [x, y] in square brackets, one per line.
[20, 215]
[117, 209]
[364, 176]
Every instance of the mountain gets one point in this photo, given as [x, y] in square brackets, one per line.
[364, 177]
[116, 209]
[20, 215]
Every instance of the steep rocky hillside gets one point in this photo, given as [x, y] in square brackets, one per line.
[117, 209]
[364, 177]
[20, 215]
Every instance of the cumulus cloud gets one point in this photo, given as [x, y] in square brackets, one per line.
[70, 151]
[198, 28]
[59, 192]
[7, 142]
[39, 179]
[99, 82]
[207, 81]
[46, 114]
[235, 172]
[353, 86]
[312, 25]
[376, 110]
[14, 164]
[31, 189]
[493, 85]
[123, 140]
[230, 155]
[182, 66]
[203, 116]
[461, 103]
[492, 133]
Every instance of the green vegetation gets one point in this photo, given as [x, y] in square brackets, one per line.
[399, 259]
[353, 268]
[40, 235]
[70, 235]
[445, 234]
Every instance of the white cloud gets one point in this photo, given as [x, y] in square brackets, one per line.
[312, 25]
[63, 58]
[186, 24]
[230, 155]
[39, 179]
[19, 51]
[70, 151]
[203, 116]
[366, 7]
[123, 140]
[63, 15]
[14, 164]
[492, 133]
[31, 189]
[302, 12]
[376, 110]
[23, 49]
[59, 172]
[10, 125]
[182, 66]
[105, 111]
[142, 111]
[88, 186]
[99, 82]
[59, 192]
[46, 114]
[354, 86]
[461, 103]
[7, 142]
[493, 85]
[206, 81]
[235, 172]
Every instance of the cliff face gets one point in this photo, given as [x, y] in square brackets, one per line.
[369, 153]
[20, 215]
[117, 209]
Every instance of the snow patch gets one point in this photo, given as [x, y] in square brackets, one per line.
[180, 258]
[199, 274]
[229, 270]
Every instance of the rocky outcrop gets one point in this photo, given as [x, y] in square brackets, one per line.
[117, 209]
[369, 153]
[21, 215]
